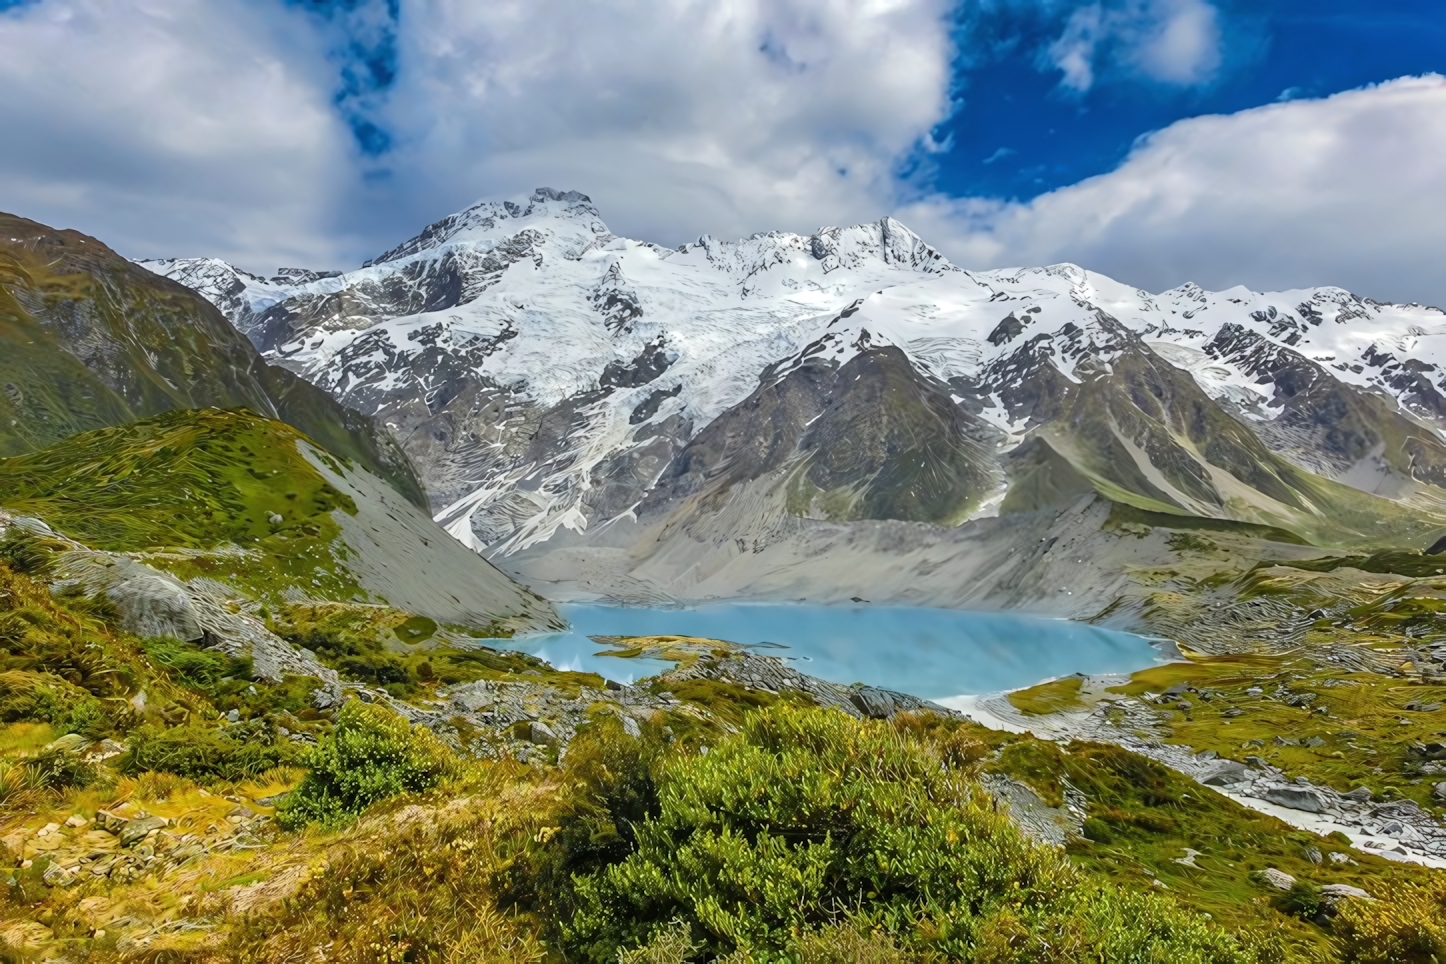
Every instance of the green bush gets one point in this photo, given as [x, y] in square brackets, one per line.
[46, 698]
[27, 553]
[1302, 900]
[608, 790]
[57, 770]
[372, 753]
[808, 815]
[191, 666]
[207, 753]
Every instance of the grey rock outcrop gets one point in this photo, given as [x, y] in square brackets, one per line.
[1225, 773]
[1278, 879]
[155, 603]
[874, 703]
[1307, 799]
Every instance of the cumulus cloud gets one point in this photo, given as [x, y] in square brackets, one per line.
[269, 132]
[240, 128]
[158, 125]
[1168, 41]
[1345, 190]
[676, 116]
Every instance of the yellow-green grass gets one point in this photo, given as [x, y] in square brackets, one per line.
[1054, 696]
[1365, 731]
[1140, 818]
[193, 481]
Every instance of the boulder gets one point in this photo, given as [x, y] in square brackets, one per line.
[1407, 810]
[57, 876]
[541, 734]
[1307, 799]
[1333, 892]
[1225, 773]
[1427, 751]
[873, 703]
[1278, 879]
[1358, 795]
[138, 829]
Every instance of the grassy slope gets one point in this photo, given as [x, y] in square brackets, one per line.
[428, 874]
[228, 495]
[191, 480]
[1142, 817]
[92, 340]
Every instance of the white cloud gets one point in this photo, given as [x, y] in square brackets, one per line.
[676, 116]
[176, 127]
[188, 127]
[1168, 41]
[1346, 190]
[210, 127]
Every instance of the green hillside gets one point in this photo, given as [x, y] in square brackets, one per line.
[88, 339]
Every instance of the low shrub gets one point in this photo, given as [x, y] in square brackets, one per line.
[57, 770]
[372, 753]
[46, 698]
[226, 681]
[1303, 900]
[609, 788]
[807, 815]
[26, 553]
[205, 753]
[1406, 926]
[191, 666]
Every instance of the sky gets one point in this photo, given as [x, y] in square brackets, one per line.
[1271, 143]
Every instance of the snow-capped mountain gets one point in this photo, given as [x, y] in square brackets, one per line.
[553, 381]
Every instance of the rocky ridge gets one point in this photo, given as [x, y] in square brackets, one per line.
[574, 400]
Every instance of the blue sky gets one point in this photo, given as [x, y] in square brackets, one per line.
[1274, 143]
[1018, 132]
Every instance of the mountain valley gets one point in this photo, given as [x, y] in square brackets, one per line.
[263, 542]
[850, 415]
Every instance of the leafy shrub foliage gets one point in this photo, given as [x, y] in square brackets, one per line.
[46, 698]
[371, 754]
[358, 642]
[1303, 900]
[1407, 926]
[808, 815]
[205, 753]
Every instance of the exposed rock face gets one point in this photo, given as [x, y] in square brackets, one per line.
[1297, 798]
[155, 603]
[589, 410]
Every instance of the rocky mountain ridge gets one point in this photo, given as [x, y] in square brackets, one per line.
[564, 391]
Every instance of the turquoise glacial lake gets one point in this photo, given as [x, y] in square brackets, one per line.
[931, 653]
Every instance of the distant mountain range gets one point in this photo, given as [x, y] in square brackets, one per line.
[789, 415]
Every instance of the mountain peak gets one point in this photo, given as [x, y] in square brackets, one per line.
[484, 217]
